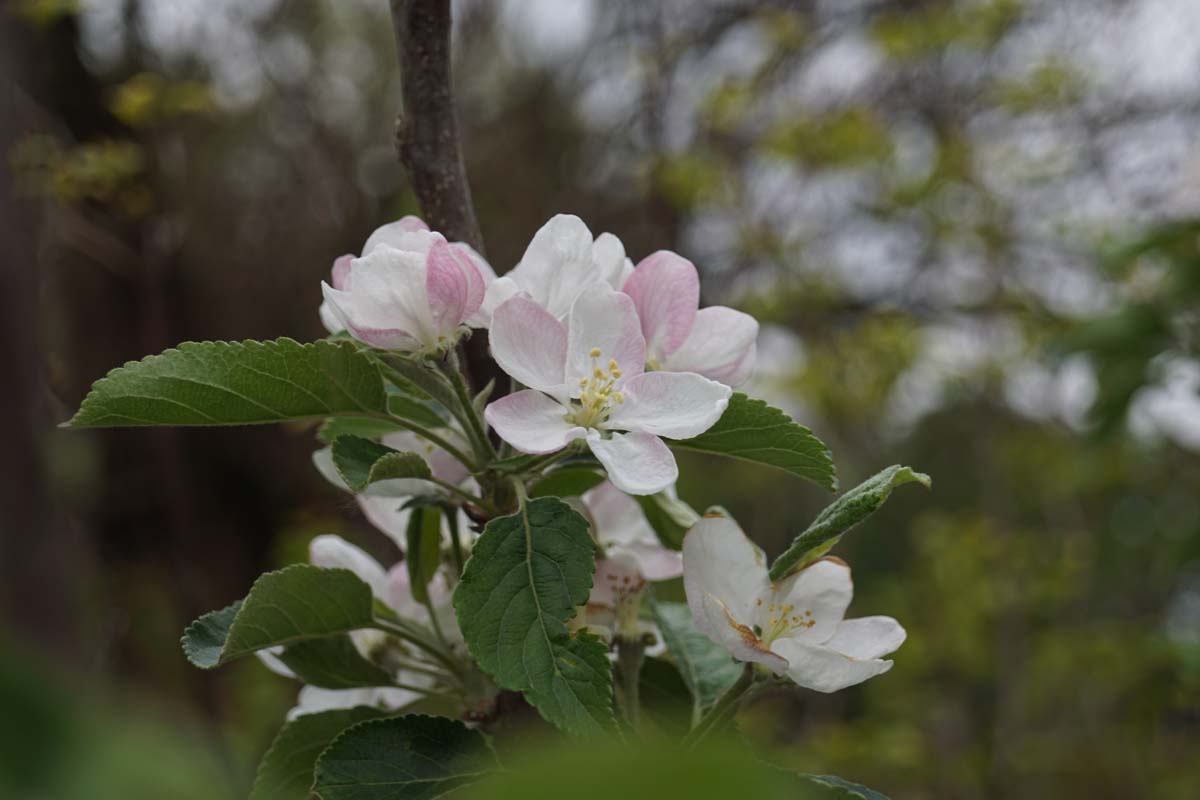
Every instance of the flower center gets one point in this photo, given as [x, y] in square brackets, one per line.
[782, 619]
[598, 393]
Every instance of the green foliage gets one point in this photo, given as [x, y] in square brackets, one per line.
[423, 541]
[669, 516]
[705, 667]
[840, 138]
[362, 462]
[527, 576]
[284, 607]
[834, 787]
[567, 482]
[842, 515]
[367, 428]
[411, 757]
[235, 383]
[413, 410]
[333, 662]
[286, 771]
[754, 431]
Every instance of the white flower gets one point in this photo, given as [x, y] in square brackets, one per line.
[587, 381]
[796, 627]
[560, 262]
[716, 342]
[411, 290]
[622, 530]
[382, 502]
[392, 588]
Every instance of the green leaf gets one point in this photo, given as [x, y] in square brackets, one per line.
[423, 549]
[527, 576]
[754, 431]
[705, 667]
[421, 379]
[286, 771]
[665, 699]
[411, 757]
[669, 516]
[333, 663]
[414, 410]
[362, 462]
[842, 515]
[285, 607]
[355, 426]
[567, 482]
[832, 786]
[235, 383]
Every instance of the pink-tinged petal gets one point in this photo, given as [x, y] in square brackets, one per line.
[341, 272]
[617, 580]
[386, 301]
[482, 316]
[823, 669]
[721, 346]
[637, 463]
[657, 563]
[721, 561]
[666, 291]
[406, 233]
[529, 343]
[388, 515]
[605, 320]
[678, 405]
[532, 422]
[617, 516]
[453, 285]
[335, 552]
[444, 466]
[867, 637]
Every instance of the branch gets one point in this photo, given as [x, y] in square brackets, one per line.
[427, 128]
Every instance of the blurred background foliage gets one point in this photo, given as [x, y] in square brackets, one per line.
[970, 228]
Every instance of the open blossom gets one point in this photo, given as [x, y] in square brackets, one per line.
[562, 259]
[795, 627]
[382, 502]
[587, 381]
[716, 342]
[411, 290]
[622, 531]
[392, 588]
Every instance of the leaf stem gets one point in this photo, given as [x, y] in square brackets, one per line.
[629, 658]
[723, 710]
[411, 633]
[470, 498]
[470, 419]
[455, 542]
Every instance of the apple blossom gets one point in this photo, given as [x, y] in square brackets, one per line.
[622, 531]
[716, 342]
[587, 381]
[393, 589]
[410, 290]
[562, 260]
[795, 627]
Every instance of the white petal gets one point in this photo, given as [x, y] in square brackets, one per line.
[406, 233]
[335, 552]
[344, 312]
[637, 463]
[725, 629]
[557, 263]
[605, 320]
[617, 580]
[329, 319]
[323, 461]
[497, 292]
[270, 659]
[818, 596]
[867, 637]
[529, 344]
[483, 317]
[823, 669]
[314, 699]
[532, 422]
[721, 346]
[388, 516]
[608, 260]
[666, 290]
[721, 561]
[677, 405]
[444, 466]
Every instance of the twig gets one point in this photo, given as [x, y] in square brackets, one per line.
[427, 128]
